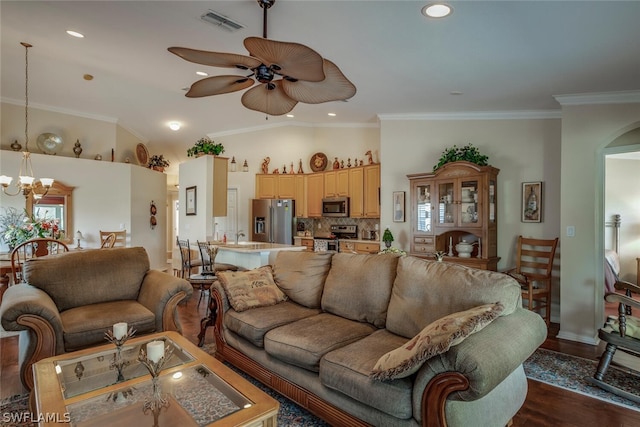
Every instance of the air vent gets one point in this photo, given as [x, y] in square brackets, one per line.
[221, 21]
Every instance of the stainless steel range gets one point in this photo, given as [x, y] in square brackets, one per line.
[332, 243]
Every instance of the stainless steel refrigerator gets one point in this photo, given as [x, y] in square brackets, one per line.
[273, 220]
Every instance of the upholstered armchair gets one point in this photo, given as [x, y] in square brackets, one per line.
[71, 299]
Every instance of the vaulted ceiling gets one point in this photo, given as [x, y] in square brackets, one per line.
[488, 56]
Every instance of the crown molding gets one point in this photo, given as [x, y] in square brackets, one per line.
[625, 97]
[60, 110]
[291, 124]
[477, 115]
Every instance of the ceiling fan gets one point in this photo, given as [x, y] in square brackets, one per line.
[287, 73]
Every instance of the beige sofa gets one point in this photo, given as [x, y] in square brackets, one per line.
[71, 299]
[344, 312]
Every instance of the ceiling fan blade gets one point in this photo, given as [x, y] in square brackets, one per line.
[218, 85]
[273, 102]
[334, 88]
[291, 59]
[215, 59]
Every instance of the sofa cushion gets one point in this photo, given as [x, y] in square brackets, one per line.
[301, 275]
[347, 370]
[251, 288]
[303, 343]
[74, 279]
[425, 291]
[358, 287]
[85, 326]
[254, 324]
[435, 339]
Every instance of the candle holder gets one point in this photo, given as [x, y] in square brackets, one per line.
[158, 399]
[118, 362]
[450, 247]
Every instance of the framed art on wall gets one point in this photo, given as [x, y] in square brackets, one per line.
[532, 201]
[398, 206]
[192, 201]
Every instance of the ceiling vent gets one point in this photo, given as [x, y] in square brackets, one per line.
[221, 21]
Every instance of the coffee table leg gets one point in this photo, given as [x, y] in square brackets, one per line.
[210, 320]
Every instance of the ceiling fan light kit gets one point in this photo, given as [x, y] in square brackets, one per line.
[286, 73]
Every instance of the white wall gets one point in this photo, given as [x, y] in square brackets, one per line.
[107, 196]
[586, 131]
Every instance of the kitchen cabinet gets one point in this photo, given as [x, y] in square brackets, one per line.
[301, 195]
[315, 192]
[336, 183]
[304, 241]
[371, 192]
[457, 202]
[356, 192]
[359, 247]
[275, 186]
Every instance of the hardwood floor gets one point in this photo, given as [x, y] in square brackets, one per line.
[545, 405]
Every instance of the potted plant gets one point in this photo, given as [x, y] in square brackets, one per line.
[387, 237]
[158, 162]
[467, 153]
[16, 227]
[205, 146]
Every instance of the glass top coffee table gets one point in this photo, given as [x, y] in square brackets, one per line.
[82, 388]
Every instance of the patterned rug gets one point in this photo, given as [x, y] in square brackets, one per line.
[556, 369]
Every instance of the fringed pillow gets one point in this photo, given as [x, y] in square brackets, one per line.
[436, 338]
[251, 288]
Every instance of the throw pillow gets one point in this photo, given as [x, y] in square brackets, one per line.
[436, 338]
[251, 288]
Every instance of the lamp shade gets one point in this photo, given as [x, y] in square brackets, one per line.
[79, 235]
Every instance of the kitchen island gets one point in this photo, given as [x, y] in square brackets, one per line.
[251, 254]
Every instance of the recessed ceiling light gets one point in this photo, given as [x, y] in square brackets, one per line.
[75, 34]
[455, 92]
[174, 126]
[437, 10]
[201, 73]
[331, 114]
[290, 116]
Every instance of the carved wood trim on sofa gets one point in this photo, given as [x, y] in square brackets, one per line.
[170, 313]
[433, 398]
[45, 345]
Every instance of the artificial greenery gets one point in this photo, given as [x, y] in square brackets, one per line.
[205, 146]
[467, 153]
[158, 160]
[387, 236]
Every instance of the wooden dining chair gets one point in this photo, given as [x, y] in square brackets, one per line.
[32, 249]
[109, 241]
[534, 263]
[121, 237]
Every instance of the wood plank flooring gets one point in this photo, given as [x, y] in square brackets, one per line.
[545, 405]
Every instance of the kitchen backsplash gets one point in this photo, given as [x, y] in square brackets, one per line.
[321, 227]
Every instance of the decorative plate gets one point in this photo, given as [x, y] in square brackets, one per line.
[142, 154]
[49, 143]
[318, 162]
[153, 209]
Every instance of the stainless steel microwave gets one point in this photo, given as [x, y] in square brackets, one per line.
[335, 207]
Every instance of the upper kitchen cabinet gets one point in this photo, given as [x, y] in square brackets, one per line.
[315, 192]
[455, 204]
[275, 186]
[371, 193]
[356, 192]
[336, 183]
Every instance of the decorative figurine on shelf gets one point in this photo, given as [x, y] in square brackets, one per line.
[361, 162]
[336, 163]
[291, 171]
[265, 165]
[284, 169]
[300, 167]
[349, 162]
[341, 164]
[370, 158]
[77, 149]
[387, 237]
[16, 146]
[276, 171]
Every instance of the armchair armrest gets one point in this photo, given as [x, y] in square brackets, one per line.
[25, 307]
[619, 298]
[160, 293]
[622, 285]
[482, 361]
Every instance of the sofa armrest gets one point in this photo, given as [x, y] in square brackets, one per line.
[25, 307]
[220, 306]
[160, 293]
[485, 359]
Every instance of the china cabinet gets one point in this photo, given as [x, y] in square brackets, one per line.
[456, 205]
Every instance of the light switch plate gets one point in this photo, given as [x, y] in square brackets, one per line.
[571, 231]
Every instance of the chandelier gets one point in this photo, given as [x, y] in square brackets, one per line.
[26, 180]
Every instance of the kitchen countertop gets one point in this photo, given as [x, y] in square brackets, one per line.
[341, 240]
[247, 247]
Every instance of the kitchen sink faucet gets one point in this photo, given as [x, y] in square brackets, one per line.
[238, 235]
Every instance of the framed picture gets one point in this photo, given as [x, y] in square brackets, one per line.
[532, 201]
[192, 201]
[398, 206]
